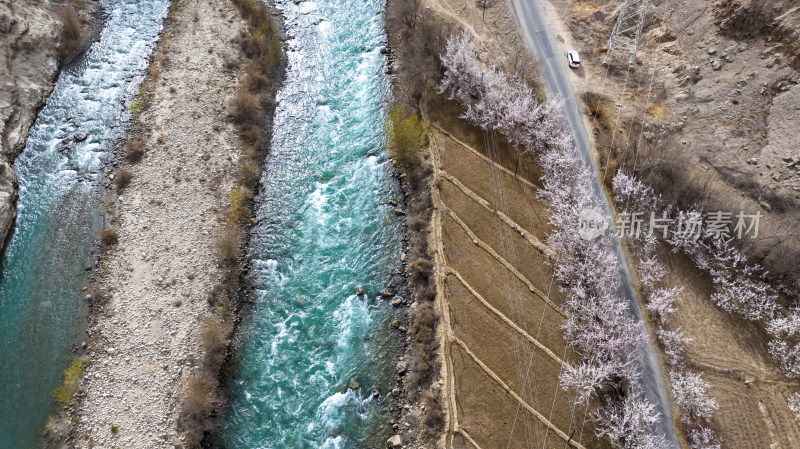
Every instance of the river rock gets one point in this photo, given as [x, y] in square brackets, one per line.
[402, 367]
[387, 294]
[397, 302]
[395, 442]
[360, 291]
[395, 392]
[80, 137]
[354, 385]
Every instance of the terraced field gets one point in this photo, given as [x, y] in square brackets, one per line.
[500, 306]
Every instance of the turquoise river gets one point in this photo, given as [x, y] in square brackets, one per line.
[326, 227]
[59, 214]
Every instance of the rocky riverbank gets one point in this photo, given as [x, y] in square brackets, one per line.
[37, 38]
[160, 306]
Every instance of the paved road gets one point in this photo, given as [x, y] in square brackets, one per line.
[532, 21]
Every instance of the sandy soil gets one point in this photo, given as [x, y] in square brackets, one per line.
[145, 345]
[501, 321]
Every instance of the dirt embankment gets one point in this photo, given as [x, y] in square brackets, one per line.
[36, 39]
[164, 302]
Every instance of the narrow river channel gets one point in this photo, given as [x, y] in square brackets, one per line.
[327, 226]
[59, 215]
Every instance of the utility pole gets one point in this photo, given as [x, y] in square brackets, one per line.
[625, 37]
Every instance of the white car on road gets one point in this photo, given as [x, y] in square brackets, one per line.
[574, 59]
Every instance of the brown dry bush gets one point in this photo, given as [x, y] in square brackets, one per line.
[228, 244]
[122, 179]
[245, 108]
[134, 150]
[214, 336]
[423, 364]
[434, 416]
[256, 81]
[199, 407]
[249, 173]
[71, 33]
[420, 271]
[108, 237]
[250, 137]
[251, 44]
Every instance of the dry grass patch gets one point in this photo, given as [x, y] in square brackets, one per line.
[122, 179]
[108, 237]
[245, 108]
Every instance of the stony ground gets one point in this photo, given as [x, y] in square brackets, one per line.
[145, 345]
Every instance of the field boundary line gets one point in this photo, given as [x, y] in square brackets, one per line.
[484, 158]
[480, 243]
[532, 239]
[511, 392]
[506, 319]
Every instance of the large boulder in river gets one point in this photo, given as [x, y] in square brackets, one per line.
[8, 198]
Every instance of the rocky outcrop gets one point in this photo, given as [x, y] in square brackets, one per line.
[29, 36]
[31, 49]
[8, 196]
[777, 19]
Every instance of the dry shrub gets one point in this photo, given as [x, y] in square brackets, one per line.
[423, 363]
[251, 44]
[420, 271]
[71, 33]
[425, 321]
[214, 336]
[434, 416]
[228, 244]
[256, 81]
[134, 150]
[199, 408]
[122, 179]
[108, 237]
[249, 136]
[249, 173]
[245, 108]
